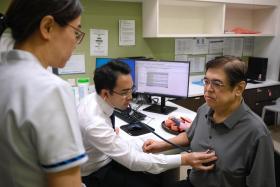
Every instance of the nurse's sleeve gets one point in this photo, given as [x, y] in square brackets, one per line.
[56, 134]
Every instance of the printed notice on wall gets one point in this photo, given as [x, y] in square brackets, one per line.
[181, 57]
[248, 46]
[98, 42]
[200, 46]
[126, 32]
[184, 46]
[76, 64]
[197, 63]
[233, 46]
[216, 45]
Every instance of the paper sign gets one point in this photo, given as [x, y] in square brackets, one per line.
[126, 32]
[98, 42]
[76, 64]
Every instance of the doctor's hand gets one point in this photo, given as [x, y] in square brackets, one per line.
[152, 146]
[117, 130]
[199, 160]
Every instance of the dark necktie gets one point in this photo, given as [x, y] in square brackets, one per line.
[112, 117]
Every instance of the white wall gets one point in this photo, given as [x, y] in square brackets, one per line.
[270, 48]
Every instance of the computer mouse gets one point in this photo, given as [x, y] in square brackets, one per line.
[135, 127]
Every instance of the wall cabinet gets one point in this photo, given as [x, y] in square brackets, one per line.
[190, 18]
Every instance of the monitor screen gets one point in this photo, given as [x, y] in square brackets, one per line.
[162, 78]
[256, 69]
[101, 61]
[130, 62]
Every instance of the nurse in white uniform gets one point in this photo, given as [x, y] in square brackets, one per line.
[40, 141]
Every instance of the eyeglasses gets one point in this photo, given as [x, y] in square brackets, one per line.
[78, 33]
[126, 93]
[215, 84]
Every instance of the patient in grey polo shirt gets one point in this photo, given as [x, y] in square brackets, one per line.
[227, 126]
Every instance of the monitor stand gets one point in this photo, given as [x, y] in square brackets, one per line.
[161, 109]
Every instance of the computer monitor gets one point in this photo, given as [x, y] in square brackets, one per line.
[101, 61]
[130, 62]
[164, 79]
[257, 68]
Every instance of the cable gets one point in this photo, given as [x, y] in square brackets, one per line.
[167, 141]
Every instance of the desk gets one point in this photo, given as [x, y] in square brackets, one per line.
[154, 120]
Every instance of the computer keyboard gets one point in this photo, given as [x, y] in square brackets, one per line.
[129, 115]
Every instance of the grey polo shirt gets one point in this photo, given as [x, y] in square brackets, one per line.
[243, 145]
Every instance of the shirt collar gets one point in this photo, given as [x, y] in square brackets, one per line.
[107, 109]
[16, 55]
[234, 117]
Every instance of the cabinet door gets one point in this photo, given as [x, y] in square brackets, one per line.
[252, 96]
[257, 98]
[267, 93]
[192, 103]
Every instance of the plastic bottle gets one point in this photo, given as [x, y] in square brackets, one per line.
[83, 84]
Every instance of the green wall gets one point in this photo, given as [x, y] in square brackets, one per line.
[106, 15]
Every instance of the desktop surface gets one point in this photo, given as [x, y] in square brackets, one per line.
[154, 120]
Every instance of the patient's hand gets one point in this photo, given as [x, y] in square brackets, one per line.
[152, 146]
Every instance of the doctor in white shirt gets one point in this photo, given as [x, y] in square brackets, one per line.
[113, 160]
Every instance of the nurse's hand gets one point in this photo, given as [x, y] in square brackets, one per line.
[199, 160]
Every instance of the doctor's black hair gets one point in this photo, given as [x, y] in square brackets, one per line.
[106, 76]
[234, 68]
[23, 17]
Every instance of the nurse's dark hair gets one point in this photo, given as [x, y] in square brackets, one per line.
[23, 17]
[106, 76]
[234, 68]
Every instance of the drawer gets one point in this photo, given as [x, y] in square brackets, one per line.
[261, 94]
[258, 106]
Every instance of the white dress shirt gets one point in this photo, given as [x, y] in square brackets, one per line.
[102, 144]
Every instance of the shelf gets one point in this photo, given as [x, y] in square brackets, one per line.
[182, 18]
[209, 35]
[171, 17]
[254, 17]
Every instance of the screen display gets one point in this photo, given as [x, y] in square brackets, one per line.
[101, 61]
[162, 78]
[130, 62]
[256, 69]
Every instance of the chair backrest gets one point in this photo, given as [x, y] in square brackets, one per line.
[278, 101]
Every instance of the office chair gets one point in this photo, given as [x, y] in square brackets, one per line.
[274, 108]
